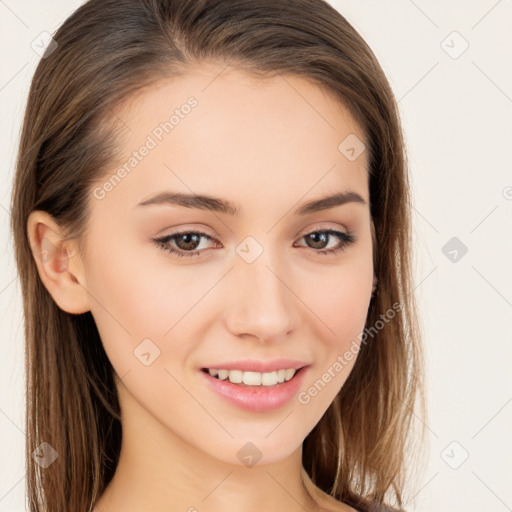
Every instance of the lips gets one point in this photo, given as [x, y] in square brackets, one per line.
[256, 398]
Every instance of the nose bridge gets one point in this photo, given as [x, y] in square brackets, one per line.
[262, 304]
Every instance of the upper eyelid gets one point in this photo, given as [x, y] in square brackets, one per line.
[199, 231]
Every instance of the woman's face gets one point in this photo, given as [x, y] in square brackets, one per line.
[249, 285]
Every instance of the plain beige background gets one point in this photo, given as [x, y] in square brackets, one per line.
[449, 65]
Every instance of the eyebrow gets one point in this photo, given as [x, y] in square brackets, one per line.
[215, 204]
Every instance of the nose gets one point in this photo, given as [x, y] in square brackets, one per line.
[262, 303]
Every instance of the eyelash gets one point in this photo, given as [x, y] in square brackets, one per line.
[346, 238]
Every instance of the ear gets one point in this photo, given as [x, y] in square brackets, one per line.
[58, 262]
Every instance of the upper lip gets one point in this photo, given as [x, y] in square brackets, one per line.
[254, 365]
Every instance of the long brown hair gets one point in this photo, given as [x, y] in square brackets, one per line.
[108, 50]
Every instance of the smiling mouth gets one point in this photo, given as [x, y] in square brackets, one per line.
[253, 379]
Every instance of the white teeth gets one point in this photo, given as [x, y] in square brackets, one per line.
[253, 378]
[288, 374]
[250, 378]
[269, 379]
[235, 376]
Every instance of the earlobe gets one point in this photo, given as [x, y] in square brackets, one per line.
[58, 263]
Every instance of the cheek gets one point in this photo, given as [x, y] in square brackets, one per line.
[340, 303]
[347, 311]
[135, 300]
[339, 299]
[341, 309]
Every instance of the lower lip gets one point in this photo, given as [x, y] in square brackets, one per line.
[257, 398]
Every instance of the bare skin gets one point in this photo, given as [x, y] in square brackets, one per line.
[268, 145]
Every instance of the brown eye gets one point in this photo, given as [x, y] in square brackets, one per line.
[320, 239]
[186, 243]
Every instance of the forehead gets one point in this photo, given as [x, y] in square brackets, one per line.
[224, 131]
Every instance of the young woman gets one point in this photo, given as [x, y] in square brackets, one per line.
[211, 220]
